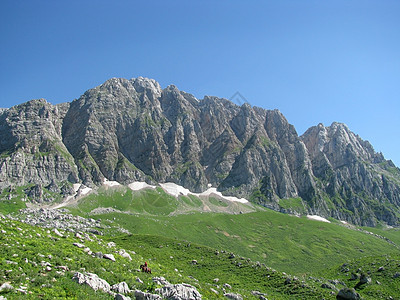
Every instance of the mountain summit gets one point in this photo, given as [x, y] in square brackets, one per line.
[133, 130]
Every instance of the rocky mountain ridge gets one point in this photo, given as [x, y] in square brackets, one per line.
[133, 130]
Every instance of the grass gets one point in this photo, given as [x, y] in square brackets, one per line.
[25, 252]
[293, 203]
[207, 265]
[287, 243]
[144, 202]
[154, 202]
[381, 270]
[170, 241]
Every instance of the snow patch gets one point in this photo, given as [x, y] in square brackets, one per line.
[175, 189]
[317, 218]
[139, 185]
[84, 191]
[76, 187]
[107, 182]
[229, 198]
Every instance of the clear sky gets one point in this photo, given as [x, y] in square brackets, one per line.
[316, 61]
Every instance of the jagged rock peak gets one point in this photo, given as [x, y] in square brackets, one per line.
[338, 138]
[141, 83]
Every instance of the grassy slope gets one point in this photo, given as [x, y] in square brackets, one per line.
[295, 245]
[243, 275]
[287, 243]
[381, 270]
[155, 202]
[23, 249]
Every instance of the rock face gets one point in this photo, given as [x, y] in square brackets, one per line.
[132, 130]
[358, 181]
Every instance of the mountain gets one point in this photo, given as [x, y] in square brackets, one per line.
[133, 130]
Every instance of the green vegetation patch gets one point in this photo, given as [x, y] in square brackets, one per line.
[287, 243]
[295, 204]
[148, 201]
[381, 276]
[218, 202]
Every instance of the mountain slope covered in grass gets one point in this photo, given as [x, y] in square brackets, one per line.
[285, 242]
[40, 263]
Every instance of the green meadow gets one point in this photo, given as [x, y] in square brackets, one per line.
[207, 242]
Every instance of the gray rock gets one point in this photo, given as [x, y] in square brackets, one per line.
[348, 294]
[160, 281]
[109, 256]
[92, 280]
[233, 296]
[57, 232]
[328, 286]
[214, 291]
[124, 254]
[354, 276]
[139, 280]
[261, 296]
[139, 295]
[227, 286]
[364, 279]
[179, 292]
[121, 297]
[121, 288]
[79, 245]
[6, 287]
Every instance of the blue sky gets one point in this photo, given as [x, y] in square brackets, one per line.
[315, 61]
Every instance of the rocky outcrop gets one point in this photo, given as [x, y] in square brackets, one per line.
[92, 280]
[58, 219]
[179, 292]
[140, 295]
[132, 130]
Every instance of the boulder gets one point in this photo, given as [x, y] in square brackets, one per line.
[121, 297]
[160, 280]
[124, 254]
[109, 256]
[79, 245]
[233, 296]
[179, 292]
[227, 286]
[139, 295]
[6, 287]
[121, 288]
[348, 294]
[92, 280]
[364, 279]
